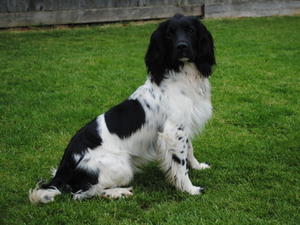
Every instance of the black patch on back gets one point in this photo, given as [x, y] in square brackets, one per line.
[86, 137]
[125, 118]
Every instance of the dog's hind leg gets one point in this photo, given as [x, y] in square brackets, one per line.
[94, 190]
[114, 171]
[173, 153]
[117, 192]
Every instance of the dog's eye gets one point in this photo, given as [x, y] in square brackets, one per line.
[170, 33]
[190, 30]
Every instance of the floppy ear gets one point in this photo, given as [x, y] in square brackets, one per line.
[205, 58]
[156, 56]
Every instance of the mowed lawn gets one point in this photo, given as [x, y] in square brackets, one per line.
[55, 80]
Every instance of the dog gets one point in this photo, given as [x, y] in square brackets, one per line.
[157, 122]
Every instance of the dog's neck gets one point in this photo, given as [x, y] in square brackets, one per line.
[187, 72]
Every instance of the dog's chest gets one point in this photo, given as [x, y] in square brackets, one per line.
[187, 99]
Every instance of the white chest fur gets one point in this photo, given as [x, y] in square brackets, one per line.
[186, 98]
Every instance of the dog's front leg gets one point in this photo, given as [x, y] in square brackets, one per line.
[193, 162]
[173, 153]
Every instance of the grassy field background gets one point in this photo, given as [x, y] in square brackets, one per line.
[53, 81]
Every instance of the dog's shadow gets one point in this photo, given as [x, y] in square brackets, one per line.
[151, 183]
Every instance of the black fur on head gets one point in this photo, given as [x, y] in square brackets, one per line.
[177, 40]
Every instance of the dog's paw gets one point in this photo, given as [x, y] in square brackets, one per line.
[200, 166]
[194, 190]
[117, 193]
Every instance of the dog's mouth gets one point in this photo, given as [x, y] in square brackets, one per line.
[184, 56]
[184, 59]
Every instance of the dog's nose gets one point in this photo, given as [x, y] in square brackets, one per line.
[181, 45]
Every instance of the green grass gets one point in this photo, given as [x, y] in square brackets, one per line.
[53, 81]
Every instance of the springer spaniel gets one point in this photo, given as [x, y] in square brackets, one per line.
[157, 122]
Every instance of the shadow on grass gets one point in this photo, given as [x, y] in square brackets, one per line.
[151, 182]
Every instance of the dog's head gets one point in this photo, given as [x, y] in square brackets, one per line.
[176, 41]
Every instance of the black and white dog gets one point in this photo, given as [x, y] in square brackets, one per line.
[157, 122]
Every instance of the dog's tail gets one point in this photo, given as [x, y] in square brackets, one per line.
[45, 193]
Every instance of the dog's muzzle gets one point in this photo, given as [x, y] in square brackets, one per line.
[183, 51]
